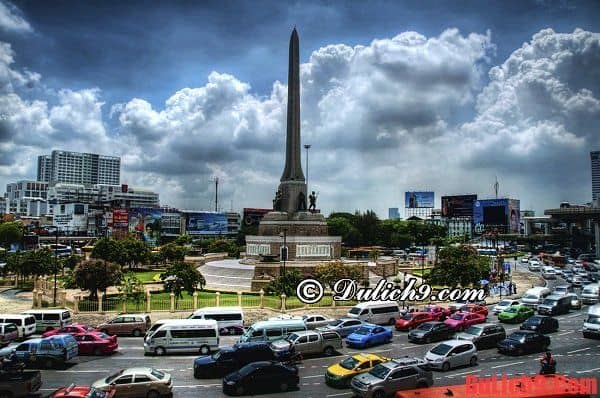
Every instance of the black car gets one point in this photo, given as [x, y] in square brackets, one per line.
[430, 331]
[232, 358]
[541, 324]
[524, 341]
[484, 335]
[261, 377]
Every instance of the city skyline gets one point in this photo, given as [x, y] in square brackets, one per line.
[445, 105]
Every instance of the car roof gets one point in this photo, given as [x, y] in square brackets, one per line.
[140, 369]
[455, 343]
[366, 356]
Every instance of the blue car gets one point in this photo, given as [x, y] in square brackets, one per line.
[369, 335]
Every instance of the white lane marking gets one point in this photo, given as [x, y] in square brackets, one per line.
[589, 370]
[465, 373]
[311, 377]
[562, 334]
[83, 371]
[573, 316]
[507, 364]
[583, 349]
[199, 385]
[340, 394]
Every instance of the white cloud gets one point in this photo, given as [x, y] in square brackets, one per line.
[11, 19]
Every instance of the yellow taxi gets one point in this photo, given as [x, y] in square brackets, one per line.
[340, 374]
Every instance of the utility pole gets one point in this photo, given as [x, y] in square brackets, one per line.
[217, 194]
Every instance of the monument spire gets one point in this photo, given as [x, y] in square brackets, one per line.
[293, 166]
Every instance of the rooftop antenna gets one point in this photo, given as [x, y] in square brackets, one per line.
[496, 187]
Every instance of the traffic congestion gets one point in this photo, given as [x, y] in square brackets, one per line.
[374, 351]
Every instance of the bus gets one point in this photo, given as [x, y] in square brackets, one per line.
[60, 250]
[554, 260]
[487, 251]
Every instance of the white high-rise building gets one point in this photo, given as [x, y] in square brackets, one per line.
[595, 157]
[79, 168]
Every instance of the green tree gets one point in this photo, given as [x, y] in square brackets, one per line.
[10, 233]
[183, 240]
[369, 226]
[285, 284]
[71, 261]
[224, 246]
[459, 265]
[109, 249]
[172, 252]
[131, 288]
[181, 276]
[96, 274]
[38, 262]
[336, 270]
[134, 252]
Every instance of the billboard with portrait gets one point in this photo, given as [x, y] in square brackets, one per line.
[514, 207]
[458, 205]
[491, 214]
[416, 200]
[144, 222]
[205, 223]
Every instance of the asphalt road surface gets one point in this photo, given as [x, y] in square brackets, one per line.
[576, 356]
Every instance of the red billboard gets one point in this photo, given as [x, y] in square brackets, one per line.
[120, 218]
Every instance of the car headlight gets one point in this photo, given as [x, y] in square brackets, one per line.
[438, 360]
[230, 382]
[534, 327]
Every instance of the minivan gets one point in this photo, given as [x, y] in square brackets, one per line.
[26, 324]
[49, 319]
[272, 330]
[8, 333]
[229, 319]
[187, 335]
[535, 296]
[379, 312]
[554, 305]
[590, 294]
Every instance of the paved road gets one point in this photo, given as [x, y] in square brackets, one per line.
[576, 356]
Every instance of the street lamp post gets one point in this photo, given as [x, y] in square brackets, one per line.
[307, 147]
[55, 265]
[284, 251]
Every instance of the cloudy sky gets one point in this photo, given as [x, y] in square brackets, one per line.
[396, 96]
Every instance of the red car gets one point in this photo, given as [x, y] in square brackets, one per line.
[463, 320]
[74, 391]
[438, 312]
[476, 309]
[73, 328]
[411, 320]
[96, 343]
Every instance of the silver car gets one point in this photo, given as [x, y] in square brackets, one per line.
[451, 354]
[137, 382]
[575, 301]
[313, 321]
[343, 326]
[388, 377]
[504, 305]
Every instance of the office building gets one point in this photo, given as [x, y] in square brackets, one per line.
[595, 158]
[122, 196]
[26, 198]
[79, 168]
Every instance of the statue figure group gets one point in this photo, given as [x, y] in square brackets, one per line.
[313, 201]
[277, 201]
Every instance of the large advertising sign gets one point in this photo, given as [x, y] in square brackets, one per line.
[416, 200]
[206, 223]
[120, 218]
[514, 207]
[145, 223]
[458, 205]
[252, 217]
[491, 214]
[171, 224]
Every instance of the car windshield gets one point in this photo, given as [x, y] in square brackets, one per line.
[425, 326]
[593, 319]
[512, 310]
[158, 374]
[520, 337]
[354, 310]
[408, 316]
[534, 320]
[93, 393]
[379, 371]
[362, 330]
[292, 337]
[336, 322]
[474, 330]
[504, 303]
[349, 363]
[549, 302]
[457, 317]
[103, 335]
[441, 349]
[112, 377]
[246, 370]
[530, 296]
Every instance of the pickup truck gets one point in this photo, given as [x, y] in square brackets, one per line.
[308, 342]
[21, 384]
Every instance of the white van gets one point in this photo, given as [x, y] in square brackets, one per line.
[272, 330]
[229, 319]
[25, 323]
[379, 312]
[184, 335]
[590, 294]
[591, 325]
[535, 296]
[50, 319]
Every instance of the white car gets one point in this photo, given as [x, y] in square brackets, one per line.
[504, 304]
[534, 266]
[524, 260]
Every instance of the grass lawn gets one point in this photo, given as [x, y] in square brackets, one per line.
[149, 276]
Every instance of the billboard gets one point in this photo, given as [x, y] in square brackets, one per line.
[206, 223]
[491, 214]
[145, 223]
[416, 200]
[458, 205]
[120, 218]
[170, 224]
[252, 217]
[514, 214]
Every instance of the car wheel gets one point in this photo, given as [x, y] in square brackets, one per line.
[160, 351]
[97, 351]
[329, 351]
[136, 333]
[379, 394]
[445, 366]
[391, 322]
[152, 394]
[283, 387]
[204, 350]
[473, 361]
